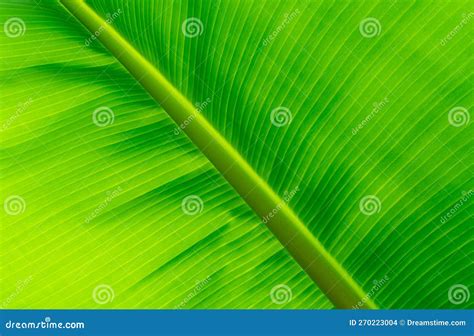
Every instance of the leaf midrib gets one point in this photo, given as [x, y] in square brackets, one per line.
[303, 246]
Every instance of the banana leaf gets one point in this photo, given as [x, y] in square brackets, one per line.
[319, 156]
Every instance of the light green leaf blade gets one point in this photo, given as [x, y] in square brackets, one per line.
[328, 75]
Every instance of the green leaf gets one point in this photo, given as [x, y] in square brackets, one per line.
[102, 205]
